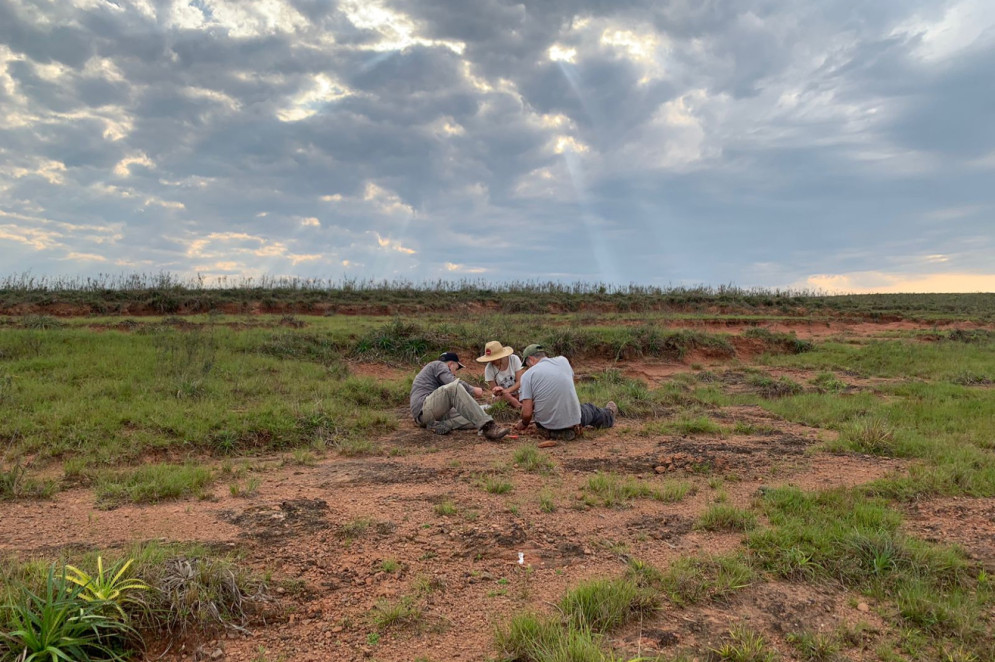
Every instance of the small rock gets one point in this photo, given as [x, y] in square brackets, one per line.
[281, 590]
[660, 469]
[217, 654]
[547, 444]
[863, 606]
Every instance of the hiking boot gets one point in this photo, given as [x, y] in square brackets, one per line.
[566, 434]
[492, 431]
[439, 427]
[613, 408]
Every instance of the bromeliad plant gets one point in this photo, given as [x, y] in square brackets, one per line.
[61, 627]
[111, 588]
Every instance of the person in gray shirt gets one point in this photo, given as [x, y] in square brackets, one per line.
[442, 402]
[549, 398]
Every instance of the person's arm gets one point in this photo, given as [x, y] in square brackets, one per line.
[526, 400]
[518, 383]
[526, 414]
[446, 376]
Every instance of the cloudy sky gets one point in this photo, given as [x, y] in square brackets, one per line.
[831, 144]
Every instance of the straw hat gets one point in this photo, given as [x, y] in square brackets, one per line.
[494, 351]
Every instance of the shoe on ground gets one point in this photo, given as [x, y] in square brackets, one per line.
[567, 434]
[612, 407]
[493, 431]
[439, 427]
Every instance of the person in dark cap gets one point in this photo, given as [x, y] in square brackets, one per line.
[549, 398]
[441, 402]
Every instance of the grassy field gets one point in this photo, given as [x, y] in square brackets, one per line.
[159, 408]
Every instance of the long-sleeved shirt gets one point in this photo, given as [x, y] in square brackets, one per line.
[431, 377]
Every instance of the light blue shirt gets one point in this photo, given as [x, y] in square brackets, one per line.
[549, 384]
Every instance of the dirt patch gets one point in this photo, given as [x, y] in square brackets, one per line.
[661, 527]
[381, 472]
[289, 518]
[962, 521]
[379, 371]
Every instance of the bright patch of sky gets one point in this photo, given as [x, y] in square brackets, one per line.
[836, 145]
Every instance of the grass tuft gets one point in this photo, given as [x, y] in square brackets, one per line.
[722, 517]
[531, 459]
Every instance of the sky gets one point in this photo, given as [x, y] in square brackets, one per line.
[829, 145]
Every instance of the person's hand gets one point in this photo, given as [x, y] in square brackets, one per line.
[497, 390]
[521, 425]
[478, 392]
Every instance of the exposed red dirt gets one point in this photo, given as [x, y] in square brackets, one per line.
[294, 527]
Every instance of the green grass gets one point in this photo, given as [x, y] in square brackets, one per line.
[722, 517]
[153, 483]
[194, 589]
[590, 610]
[604, 604]
[210, 389]
[495, 485]
[693, 580]
[615, 491]
[686, 425]
[403, 612]
[446, 508]
[744, 644]
[787, 343]
[769, 387]
[533, 460]
[814, 646]
[845, 538]
[899, 358]
[547, 501]
[15, 483]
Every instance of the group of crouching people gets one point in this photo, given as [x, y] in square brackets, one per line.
[539, 386]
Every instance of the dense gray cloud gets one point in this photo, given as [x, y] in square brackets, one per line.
[774, 142]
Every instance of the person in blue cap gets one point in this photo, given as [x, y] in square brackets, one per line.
[442, 402]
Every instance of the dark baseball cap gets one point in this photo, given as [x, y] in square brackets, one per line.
[450, 356]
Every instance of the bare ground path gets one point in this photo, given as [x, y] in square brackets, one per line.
[326, 530]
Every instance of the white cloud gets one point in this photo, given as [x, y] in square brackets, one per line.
[387, 202]
[123, 167]
[397, 31]
[39, 240]
[309, 102]
[462, 268]
[84, 257]
[393, 244]
[962, 25]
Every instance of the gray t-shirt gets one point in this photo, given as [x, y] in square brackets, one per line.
[431, 377]
[550, 386]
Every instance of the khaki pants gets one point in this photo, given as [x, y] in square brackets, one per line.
[453, 405]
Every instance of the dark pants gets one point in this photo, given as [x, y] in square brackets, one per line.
[596, 417]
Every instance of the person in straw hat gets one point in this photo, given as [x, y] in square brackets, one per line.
[503, 372]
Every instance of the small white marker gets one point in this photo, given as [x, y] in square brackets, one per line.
[521, 558]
